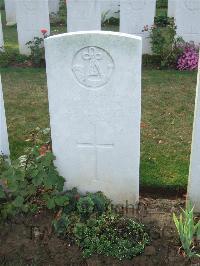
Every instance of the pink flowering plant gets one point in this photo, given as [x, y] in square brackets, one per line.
[36, 47]
[188, 60]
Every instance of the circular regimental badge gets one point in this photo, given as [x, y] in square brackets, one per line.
[192, 5]
[92, 67]
[137, 5]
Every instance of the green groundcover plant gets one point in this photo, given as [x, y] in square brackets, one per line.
[32, 183]
[111, 235]
[187, 230]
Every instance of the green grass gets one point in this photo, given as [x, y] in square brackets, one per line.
[167, 116]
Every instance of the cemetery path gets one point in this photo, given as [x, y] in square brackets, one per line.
[30, 240]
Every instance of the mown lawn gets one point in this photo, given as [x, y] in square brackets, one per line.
[167, 116]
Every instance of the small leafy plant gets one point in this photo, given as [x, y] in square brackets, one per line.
[187, 230]
[36, 47]
[111, 235]
[32, 183]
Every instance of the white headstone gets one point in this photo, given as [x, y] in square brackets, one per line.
[83, 15]
[134, 16]
[94, 90]
[194, 176]
[54, 6]
[1, 36]
[110, 8]
[4, 146]
[32, 16]
[171, 8]
[187, 19]
[10, 8]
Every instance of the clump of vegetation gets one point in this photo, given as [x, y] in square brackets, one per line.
[187, 230]
[162, 20]
[111, 235]
[36, 47]
[59, 18]
[189, 59]
[166, 45]
[37, 51]
[62, 12]
[10, 57]
[32, 183]
[162, 3]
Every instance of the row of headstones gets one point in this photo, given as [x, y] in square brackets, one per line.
[31, 16]
[109, 8]
[94, 89]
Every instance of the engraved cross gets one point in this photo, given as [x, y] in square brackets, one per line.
[96, 146]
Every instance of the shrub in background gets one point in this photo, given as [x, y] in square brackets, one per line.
[2, 6]
[162, 3]
[188, 60]
[161, 21]
[166, 45]
[37, 49]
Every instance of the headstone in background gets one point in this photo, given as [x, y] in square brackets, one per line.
[194, 177]
[135, 15]
[171, 8]
[4, 145]
[94, 88]
[187, 20]
[110, 9]
[10, 9]
[83, 15]
[1, 36]
[54, 6]
[32, 16]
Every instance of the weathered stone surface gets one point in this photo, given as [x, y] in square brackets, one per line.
[83, 15]
[171, 7]
[54, 6]
[32, 16]
[94, 100]
[10, 9]
[187, 19]
[194, 176]
[4, 146]
[135, 16]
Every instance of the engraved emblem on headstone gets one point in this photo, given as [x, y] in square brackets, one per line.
[192, 5]
[92, 66]
[137, 5]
